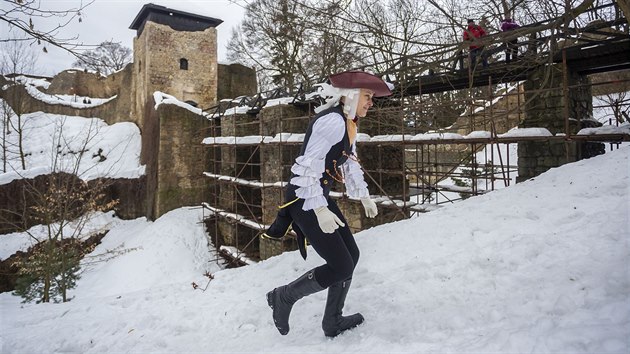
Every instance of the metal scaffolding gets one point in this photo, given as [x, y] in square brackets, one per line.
[438, 139]
[407, 166]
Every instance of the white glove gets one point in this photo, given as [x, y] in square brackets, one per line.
[328, 221]
[370, 207]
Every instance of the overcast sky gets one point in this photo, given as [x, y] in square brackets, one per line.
[106, 20]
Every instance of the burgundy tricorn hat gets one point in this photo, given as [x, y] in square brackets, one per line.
[359, 79]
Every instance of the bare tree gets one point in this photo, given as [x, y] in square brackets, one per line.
[329, 46]
[63, 204]
[17, 58]
[292, 41]
[619, 103]
[25, 16]
[271, 38]
[391, 31]
[7, 113]
[108, 57]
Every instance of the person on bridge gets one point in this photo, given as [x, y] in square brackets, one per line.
[472, 34]
[328, 154]
[511, 46]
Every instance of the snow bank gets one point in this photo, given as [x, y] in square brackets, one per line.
[61, 143]
[538, 267]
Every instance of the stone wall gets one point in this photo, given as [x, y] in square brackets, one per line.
[535, 158]
[276, 162]
[284, 119]
[131, 196]
[610, 82]
[181, 159]
[545, 102]
[274, 247]
[502, 116]
[182, 64]
[277, 159]
[384, 163]
[357, 221]
[84, 83]
[545, 99]
[236, 80]
[382, 121]
[242, 237]
[18, 198]
[171, 136]
[242, 162]
[240, 125]
[239, 161]
[117, 110]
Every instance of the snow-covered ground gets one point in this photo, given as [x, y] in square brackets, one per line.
[542, 266]
[92, 224]
[54, 142]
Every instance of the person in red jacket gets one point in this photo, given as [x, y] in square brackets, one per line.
[472, 34]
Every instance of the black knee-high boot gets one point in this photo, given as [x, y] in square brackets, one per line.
[281, 299]
[334, 323]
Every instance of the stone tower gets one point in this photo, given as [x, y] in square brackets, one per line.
[175, 52]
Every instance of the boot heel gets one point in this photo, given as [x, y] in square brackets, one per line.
[270, 299]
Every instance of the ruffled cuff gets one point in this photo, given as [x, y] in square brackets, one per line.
[308, 172]
[314, 203]
[356, 187]
[307, 166]
[314, 190]
[313, 195]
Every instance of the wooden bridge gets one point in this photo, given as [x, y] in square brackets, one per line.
[600, 46]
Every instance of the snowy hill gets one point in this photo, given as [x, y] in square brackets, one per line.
[56, 143]
[542, 266]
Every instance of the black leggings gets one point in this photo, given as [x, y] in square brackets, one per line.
[338, 249]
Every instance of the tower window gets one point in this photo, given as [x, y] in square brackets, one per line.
[183, 64]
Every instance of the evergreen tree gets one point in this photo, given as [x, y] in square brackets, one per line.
[49, 271]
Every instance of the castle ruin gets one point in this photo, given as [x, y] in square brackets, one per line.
[238, 173]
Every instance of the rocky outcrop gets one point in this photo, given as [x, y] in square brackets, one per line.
[19, 198]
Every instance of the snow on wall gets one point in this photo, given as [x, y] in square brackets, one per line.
[58, 143]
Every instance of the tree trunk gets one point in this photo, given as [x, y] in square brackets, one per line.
[46, 294]
[21, 141]
[5, 123]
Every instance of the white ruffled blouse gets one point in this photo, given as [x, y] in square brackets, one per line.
[327, 131]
